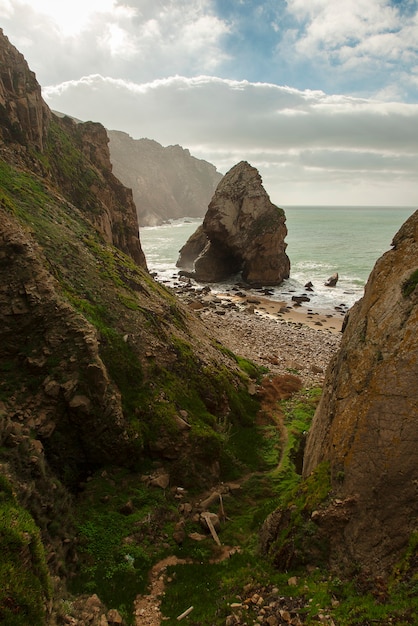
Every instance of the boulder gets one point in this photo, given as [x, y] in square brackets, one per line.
[332, 280]
[242, 232]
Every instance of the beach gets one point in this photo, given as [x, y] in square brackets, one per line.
[283, 338]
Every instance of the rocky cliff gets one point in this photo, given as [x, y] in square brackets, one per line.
[102, 370]
[366, 423]
[356, 506]
[167, 182]
[242, 232]
[24, 117]
[81, 168]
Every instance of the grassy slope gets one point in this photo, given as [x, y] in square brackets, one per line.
[164, 367]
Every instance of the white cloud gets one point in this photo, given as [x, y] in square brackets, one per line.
[136, 38]
[310, 148]
[357, 38]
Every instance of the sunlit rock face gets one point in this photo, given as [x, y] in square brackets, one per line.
[24, 116]
[242, 232]
[366, 425]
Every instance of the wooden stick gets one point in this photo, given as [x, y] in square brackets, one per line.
[212, 529]
[185, 614]
[222, 507]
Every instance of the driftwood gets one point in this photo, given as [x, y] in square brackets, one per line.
[185, 614]
[211, 527]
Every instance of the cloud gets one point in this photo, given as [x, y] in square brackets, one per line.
[141, 39]
[335, 145]
[372, 38]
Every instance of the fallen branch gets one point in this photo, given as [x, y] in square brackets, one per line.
[185, 614]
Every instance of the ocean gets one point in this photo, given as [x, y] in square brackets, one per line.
[321, 241]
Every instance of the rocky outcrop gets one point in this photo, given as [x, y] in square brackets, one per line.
[107, 202]
[366, 424]
[24, 117]
[242, 232]
[167, 182]
[101, 367]
[83, 171]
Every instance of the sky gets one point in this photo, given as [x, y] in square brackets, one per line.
[320, 95]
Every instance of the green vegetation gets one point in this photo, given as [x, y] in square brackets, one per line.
[123, 525]
[409, 285]
[211, 589]
[24, 581]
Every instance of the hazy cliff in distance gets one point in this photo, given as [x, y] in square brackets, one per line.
[167, 182]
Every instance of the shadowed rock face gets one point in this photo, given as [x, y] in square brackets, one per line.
[367, 422]
[242, 232]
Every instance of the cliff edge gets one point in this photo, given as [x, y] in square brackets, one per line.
[366, 423]
[167, 182]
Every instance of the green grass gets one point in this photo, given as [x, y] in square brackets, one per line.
[25, 585]
[409, 285]
[117, 548]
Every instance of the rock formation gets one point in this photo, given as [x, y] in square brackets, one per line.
[83, 174]
[366, 424]
[167, 182]
[101, 368]
[24, 117]
[242, 232]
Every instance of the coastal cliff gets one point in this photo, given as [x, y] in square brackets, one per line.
[357, 507]
[103, 371]
[366, 423]
[167, 182]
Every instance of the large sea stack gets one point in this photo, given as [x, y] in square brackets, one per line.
[243, 231]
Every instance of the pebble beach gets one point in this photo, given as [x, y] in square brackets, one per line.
[282, 337]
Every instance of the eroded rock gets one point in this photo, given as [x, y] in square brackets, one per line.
[242, 232]
[366, 422]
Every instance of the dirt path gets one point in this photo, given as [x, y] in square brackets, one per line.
[147, 608]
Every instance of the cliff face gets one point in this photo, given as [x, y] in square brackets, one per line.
[366, 423]
[242, 232]
[24, 117]
[167, 182]
[108, 203]
[83, 172]
[100, 366]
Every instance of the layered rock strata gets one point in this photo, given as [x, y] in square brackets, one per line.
[84, 175]
[242, 232]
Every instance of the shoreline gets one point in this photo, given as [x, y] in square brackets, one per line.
[318, 319]
[285, 338]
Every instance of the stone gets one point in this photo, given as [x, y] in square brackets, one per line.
[127, 508]
[161, 480]
[366, 424]
[214, 518]
[167, 182]
[114, 618]
[242, 232]
[332, 281]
